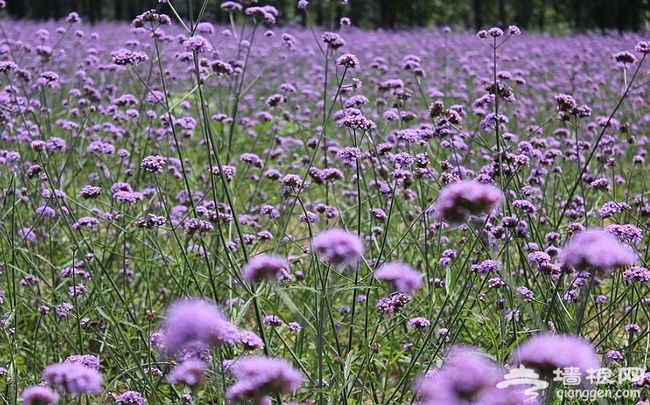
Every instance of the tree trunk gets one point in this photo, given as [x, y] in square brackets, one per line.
[502, 13]
[478, 13]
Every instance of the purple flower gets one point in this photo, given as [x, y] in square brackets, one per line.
[197, 44]
[627, 233]
[86, 360]
[90, 191]
[642, 381]
[526, 294]
[190, 373]
[596, 250]
[612, 208]
[514, 30]
[349, 155]
[547, 352]
[486, 267]
[614, 355]
[393, 303]
[418, 323]
[153, 164]
[90, 223]
[231, 6]
[250, 340]
[124, 57]
[460, 200]
[38, 395]
[272, 320]
[294, 326]
[130, 398]
[258, 376]
[465, 377]
[194, 350]
[333, 40]
[348, 60]
[403, 277]
[643, 47]
[638, 274]
[190, 320]
[338, 247]
[266, 267]
[45, 212]
[73, 17]
[74, 378]
[379, 214]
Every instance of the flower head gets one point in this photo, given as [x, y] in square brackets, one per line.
[190, 372]
[258, 376]
[547, 352]
[596, 250]
[338, 247]
[191, 320]
[38, 395]
[460, 200]
[74, 378]
[466, 375]
[130, 398]
[266, 267]
[348, 60]
[403, 277]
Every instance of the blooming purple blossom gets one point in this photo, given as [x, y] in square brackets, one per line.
[402, 276]
[258, 376]
[74, 378]
[596, 250]
[348, 60]
[393, 303]
[38, 395]
[153, 164]
[130, 398]
[338, 247]
[266, 267]
[460, 200]
[418, 323]
[86, 360]
[124, 57]
[195, 320]
[547, 352]
[249, 340]
[190, 373]
[467, 376]
[273, 320]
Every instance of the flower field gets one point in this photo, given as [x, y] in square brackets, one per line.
[255, 213]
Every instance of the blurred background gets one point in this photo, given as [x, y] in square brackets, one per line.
[533, 15]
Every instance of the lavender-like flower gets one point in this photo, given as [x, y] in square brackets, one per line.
[259, 376]
[153, 164]
[547, 352]
[74, 378]
[190, 373]
[460, 200]
[130, 398]
[596, 250]
[402, 276]
[38, 395]
[338, 247]
[191, 320]
[125, 57]
[266, 267]
[466, 376]
[86, 360]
